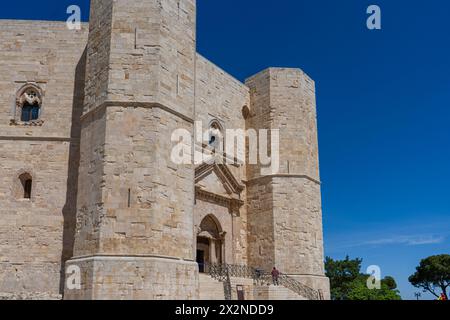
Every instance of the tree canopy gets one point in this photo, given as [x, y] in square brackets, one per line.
[433, 275]
[348, 283]
[358, 290]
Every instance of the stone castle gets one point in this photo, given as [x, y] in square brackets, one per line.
[87, 181]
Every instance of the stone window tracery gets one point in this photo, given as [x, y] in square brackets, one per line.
[28, 106]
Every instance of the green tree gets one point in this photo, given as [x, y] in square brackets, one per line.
[390, 283]
[358, 290]
[341, 274]
[348, 283]
[433, 274]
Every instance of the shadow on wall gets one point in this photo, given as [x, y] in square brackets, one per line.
[70, 207]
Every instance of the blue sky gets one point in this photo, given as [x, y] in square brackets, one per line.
[383, 110]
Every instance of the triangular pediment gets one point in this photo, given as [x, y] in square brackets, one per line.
[217, 179]
[212, 183]
[216, 184]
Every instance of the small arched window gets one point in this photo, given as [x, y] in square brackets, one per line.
[216, 136]
[245, 112]
[212, 140]
[28, 104]
[27, 185]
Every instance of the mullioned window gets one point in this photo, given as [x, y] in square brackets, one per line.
[28, 106]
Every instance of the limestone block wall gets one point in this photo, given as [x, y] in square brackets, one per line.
[138, 203]
[298, 228]
[285, 219]
[260, 193]
[31, 230]
[89, 207]
[46, 53]
[105, 191]
[148, 199]
[36, 235]
[98, 54]
[293, 103]
[140, 69]
[261, 224]
[221, 97]
[142, 51]
[284, 99]
[130, 191]
[135, 278]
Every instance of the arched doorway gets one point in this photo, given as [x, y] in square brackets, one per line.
[210, 243]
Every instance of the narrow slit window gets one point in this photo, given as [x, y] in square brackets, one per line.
[26, 182]
[27, 189]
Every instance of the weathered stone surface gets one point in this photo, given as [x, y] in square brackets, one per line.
[36, 234]
[105, 193]
[135, 278]
[285, 211]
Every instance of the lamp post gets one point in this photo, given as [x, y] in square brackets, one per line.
[418, 295]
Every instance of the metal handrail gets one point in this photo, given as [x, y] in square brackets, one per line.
[223, 273]
[295, 286]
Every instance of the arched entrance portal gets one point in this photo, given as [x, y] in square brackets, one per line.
[210, 243]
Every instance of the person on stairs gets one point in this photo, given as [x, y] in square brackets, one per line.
[275, 276]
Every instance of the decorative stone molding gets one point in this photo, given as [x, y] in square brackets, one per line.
[223, 173]
[218, 156]
[229, 202]
[32, 94]
[232, 200]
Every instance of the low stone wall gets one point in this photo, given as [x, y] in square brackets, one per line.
[135, 278]
[246, 284]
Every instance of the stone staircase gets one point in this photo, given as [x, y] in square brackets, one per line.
[256, 285]
[210, 289]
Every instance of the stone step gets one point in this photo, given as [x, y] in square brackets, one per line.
[276, 293]
[210, 289]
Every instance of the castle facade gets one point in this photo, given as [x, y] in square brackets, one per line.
[87, 177]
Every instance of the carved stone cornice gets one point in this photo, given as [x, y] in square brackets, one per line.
[233, 204]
